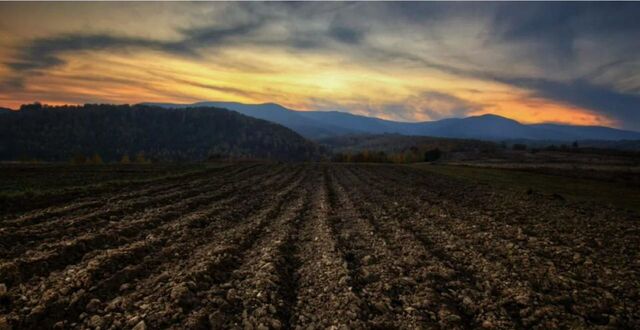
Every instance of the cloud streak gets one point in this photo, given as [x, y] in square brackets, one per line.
[45, 52]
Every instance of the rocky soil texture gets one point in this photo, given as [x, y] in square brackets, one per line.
[316, 246]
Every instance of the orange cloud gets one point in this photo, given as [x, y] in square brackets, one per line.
[540, 111]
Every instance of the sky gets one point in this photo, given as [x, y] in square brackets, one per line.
[575, 63]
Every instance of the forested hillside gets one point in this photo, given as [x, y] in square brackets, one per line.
[115, 132]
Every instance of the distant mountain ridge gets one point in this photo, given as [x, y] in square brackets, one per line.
[324, 124]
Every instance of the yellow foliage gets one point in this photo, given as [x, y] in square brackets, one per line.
[140, 158]
[96, 159]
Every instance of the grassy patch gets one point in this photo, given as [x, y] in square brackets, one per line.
[577, 189]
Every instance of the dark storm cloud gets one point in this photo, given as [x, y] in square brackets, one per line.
[44, 52]
[213, 35]
[560, 22]
[556, 27]
[345, 34]
[547, 33]
[344, 29]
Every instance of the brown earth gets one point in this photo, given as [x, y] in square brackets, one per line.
[260, 246]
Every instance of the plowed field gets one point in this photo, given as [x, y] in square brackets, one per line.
[259, 246]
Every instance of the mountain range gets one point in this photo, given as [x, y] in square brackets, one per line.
[323, 124]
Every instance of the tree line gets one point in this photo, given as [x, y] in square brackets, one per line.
[96, 159]
[94, 133]
[410, 155]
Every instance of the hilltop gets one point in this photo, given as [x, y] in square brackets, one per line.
[113, 131]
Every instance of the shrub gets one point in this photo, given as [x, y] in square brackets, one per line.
[96, 159]
[519, 146]
[432, 155]
[78, 159]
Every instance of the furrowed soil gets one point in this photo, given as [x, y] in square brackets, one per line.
[316, 246]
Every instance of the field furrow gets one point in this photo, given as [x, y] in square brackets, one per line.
[207, 272]
[325, 289]
[109, 212]
[261, 292]
[109, 271]
[539, 297]
[38, 210]
[317, 246]
[53, 256]
[443, 289]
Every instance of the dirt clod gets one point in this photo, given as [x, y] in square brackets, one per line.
[140, 326]
[4, 323]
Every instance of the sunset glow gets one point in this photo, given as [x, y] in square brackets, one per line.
[373, 59]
